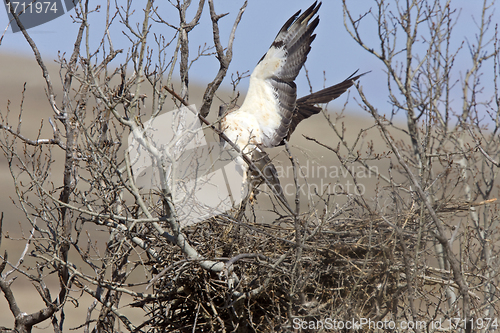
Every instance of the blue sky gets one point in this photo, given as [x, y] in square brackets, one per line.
[334, 54]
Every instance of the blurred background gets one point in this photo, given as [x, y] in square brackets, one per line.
[334, 57]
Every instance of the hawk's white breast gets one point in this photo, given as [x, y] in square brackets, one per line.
[262, 99]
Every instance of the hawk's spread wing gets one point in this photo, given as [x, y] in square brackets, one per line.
[272, 93]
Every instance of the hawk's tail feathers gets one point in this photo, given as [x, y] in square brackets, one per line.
[306, 106]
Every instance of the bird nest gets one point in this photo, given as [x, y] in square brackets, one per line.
[346, 265]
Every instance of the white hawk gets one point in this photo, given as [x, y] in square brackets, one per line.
[271, 111]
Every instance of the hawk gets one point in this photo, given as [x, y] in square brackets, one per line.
[271, 111]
